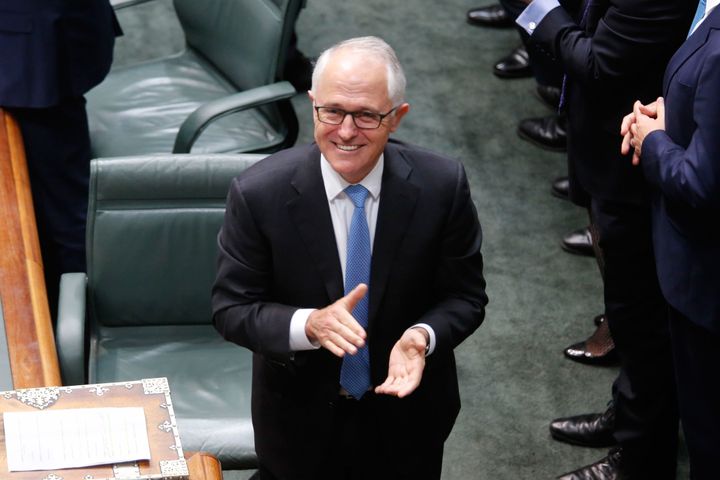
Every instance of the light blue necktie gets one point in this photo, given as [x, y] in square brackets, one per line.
[355, 372]
[698, 15]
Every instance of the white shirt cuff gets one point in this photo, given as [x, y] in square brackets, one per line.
[533, 14]
[431, 335]
[298, 338]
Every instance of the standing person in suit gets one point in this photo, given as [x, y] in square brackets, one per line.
[613, 53]
[51, 53]
[294, 229]
[677, 145]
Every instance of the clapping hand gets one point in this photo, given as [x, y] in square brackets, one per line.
[407, 362]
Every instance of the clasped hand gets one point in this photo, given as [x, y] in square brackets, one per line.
[335, 329]
[638, 124]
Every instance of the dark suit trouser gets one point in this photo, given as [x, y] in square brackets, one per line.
[697, 366]
[362, 448]
[644, 392]
[57, 147]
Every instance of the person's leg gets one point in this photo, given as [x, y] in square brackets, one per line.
[57, 147]
[646, 419]
[697, 367]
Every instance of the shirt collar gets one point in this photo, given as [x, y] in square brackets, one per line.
[335, 184]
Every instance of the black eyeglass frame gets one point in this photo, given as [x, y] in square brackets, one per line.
[353, 115]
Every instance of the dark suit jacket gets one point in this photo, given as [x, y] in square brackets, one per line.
[616, 57]
[53, 49]
[684, 164]
[278, 253]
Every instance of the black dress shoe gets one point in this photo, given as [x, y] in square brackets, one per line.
[608, 468]
[545, 132]
[550, 95]
[561, 188]
[598, 349]
[490, 16]
[515, 65]
[579, 242]
[589, 430]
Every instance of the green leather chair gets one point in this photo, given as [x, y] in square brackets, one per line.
[151, 251]
[223, 86]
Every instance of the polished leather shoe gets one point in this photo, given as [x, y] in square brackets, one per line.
[561, 188]
[515, 65]
[490, 16]
[579, 242]
[598, 349]
[545, 132]
[589, 430]
[608, 468]
[549, 94]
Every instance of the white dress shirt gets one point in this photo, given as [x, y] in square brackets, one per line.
[341, 212]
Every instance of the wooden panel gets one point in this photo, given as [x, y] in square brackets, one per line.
[203, 466]
[33, 359]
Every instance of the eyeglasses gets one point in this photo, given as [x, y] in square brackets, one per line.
[363, 119]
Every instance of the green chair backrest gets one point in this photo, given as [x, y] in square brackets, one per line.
[245, 39]
[152, 236]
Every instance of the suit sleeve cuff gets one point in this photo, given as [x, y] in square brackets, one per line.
[431, 335]
[533, 14]
[298, 340]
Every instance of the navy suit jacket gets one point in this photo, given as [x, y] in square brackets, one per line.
[53, 49]
[278, 253]
[615, 57]
[683, 162]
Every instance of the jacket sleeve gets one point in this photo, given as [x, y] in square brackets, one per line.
[242, 311]
[691, 175]
[626, 39]
[459, 282]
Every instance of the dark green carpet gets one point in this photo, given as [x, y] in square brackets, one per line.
[513, 376]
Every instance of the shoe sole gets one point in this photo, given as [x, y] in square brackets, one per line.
[608, 360]
[581, 253]
[504, 75]
[522, 135]
[572, 441]
[558, 195]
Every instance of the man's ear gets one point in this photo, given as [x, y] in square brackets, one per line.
[398, 115]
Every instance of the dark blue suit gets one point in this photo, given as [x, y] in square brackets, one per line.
[683, 162]
[51, 53]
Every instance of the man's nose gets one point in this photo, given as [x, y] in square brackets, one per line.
[347, 127]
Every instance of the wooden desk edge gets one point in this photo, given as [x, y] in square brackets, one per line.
[203, 466]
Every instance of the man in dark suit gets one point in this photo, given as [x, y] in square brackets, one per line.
[614, 53]
[676, 142]
[289, 239]
[51, 53]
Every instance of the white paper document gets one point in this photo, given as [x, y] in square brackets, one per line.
[76, 437]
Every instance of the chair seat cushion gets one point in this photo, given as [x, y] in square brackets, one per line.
[138, 109]
[209, 382]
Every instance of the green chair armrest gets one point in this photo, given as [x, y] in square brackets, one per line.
[118, 4]
[70, 329]
[199, 120]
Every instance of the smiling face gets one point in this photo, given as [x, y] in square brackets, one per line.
[352, 82]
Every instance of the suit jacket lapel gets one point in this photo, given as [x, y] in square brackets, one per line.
[691, 45]
[397, 202]
[311, 214]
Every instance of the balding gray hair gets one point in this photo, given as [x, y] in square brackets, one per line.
[377, 48]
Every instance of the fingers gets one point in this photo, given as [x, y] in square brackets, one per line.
[660, 110]
[334, 327]
[350, 300]
[398, 386]
[625, 145]
[628, 120]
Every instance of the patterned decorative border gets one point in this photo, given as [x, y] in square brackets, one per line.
[42, 398]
